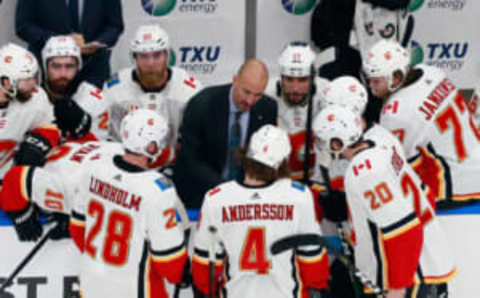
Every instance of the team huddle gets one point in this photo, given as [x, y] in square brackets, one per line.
[94, 160]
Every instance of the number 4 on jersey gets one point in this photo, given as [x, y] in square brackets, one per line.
[254, 253]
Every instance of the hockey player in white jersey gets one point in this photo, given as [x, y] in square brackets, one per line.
[474, 107]
[124, 220]
[76, 104]
[26, 117]
[292, 91]
[151, 84]
[389, 212]
[248, 217]
[49, 189]
[425, 110]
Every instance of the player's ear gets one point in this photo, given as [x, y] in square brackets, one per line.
[398, 78]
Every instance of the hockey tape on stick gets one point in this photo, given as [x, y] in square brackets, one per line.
[27, 259]
[292, 242]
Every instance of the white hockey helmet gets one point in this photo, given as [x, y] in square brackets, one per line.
[61, 45]
[141, 127]
[385, 58]
[336, 122]
[16, 63]
[270, 146]
[348, 92]
[149, 38]
[296, 59]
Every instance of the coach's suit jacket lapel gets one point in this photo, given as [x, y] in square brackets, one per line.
[220, 124]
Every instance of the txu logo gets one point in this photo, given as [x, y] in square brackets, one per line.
[158, 8]
[298, 7]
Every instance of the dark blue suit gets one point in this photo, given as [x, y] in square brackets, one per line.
[204, 137]
[37, 20]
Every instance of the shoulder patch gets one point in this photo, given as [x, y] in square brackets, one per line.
[298, 186]
[163, 183]
[114, 80]
[214, 191]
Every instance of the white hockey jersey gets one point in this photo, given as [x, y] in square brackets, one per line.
[18, 118]
[474, 107]
[387, 209]
[90, 99]
[248, 220]
[435, 126]
[124, 94]
[124, 221]
[53, 186]
[293, 119]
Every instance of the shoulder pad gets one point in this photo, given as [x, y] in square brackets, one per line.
[214, 191]
[163, 183]
[114, 80]
[298, 186]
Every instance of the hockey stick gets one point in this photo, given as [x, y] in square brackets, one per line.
[26, 260]
[308, 127]
[186, 234]
[292, 242]
[211, 261]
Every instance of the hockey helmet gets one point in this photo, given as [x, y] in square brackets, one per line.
[348, 92]
[149, 38]
[296, 59]
[16, 63]
[61, 45]
[269, 146]
[335, 122]
[385, 58]
[141, 127]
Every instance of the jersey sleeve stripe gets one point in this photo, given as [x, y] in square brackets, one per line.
[312, 259]
[168, 252]
[201, 256]
[78, 216]
[400, 226]
[170, 257]
[441, 279]
[309, 253]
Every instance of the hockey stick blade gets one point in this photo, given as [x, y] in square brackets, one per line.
[26, 260]
[294, 241]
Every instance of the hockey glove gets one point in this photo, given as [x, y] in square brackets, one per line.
[26, 223]
[60, 231]
[334, 205]
[71, 118]
[33, 150]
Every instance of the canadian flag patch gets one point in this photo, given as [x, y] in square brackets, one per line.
[391, 106]
[363, 166]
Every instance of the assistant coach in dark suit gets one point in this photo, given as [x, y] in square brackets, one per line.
[89, 22]
[205, 158]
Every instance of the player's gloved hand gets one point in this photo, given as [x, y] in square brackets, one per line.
[316, 293]
[60, 231]
[26, 223]
[71, 118]
[32, 150]
[334, 205]
[187, 275]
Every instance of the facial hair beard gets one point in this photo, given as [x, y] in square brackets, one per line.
[150, 79]
[23, 97]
